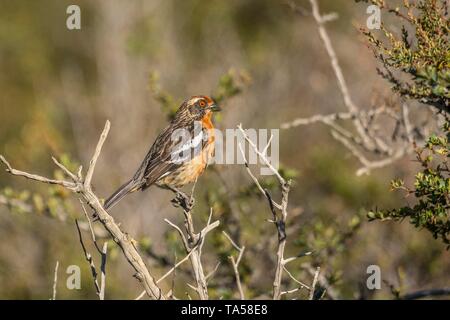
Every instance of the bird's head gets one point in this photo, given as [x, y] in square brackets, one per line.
[197, 107]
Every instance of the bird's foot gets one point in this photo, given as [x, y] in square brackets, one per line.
[183, 200]
[95, 217]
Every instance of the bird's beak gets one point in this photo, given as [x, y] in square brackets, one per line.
[214, 108]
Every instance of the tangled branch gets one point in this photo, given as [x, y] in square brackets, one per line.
[193, 244]
[279, 220]
[370, 136]
[83, 187]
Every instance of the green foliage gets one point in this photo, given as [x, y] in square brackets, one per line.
[229, 85]
[423, 58]
[417, 63]
[431, 188]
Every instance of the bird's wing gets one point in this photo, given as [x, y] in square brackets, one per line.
[170, 150]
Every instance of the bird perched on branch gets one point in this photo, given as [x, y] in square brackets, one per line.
[179, 154]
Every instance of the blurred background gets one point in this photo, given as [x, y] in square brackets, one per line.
[134, 60]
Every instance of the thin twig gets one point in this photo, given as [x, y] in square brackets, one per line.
[280, 222]
[330, 292]
[84, 188]
[212, 272]
[168, 272]
[235, 264]
[91, 229]
[103, 271]
[69, 185]
[314, 283]
[55, 280]
[326, 119]
[302, 285]
[368, 137]
[89, 259]
[255, 180]
[64, 169]
[98, 149]
[348, 101]
[192, 241]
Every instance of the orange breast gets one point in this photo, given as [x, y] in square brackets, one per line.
[190, 170]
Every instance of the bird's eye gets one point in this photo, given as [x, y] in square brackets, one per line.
[202, 103]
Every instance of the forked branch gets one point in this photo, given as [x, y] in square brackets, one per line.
[76, 184]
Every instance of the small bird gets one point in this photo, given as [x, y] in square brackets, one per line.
[174, 161]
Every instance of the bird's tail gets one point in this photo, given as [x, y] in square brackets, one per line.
[126, 188]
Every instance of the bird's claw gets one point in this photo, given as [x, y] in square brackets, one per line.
[183, 200]
[95, 217]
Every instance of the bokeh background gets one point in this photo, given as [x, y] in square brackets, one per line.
[128, 63]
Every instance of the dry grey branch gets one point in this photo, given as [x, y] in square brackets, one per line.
[370, 135]
[348, 101]
[84, 188]
[168, 273]
[192, 241]
[103, 271]
[279, 219]
[322, 280]
[302, 285]
[55, 280]
[99, 289]
[314, 283]
[212, 272]
[235, 264]
[89, 259]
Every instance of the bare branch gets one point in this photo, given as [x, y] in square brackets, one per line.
[89, 259]
[326, 119]
[65, 170]
[330, 292]
[290, 291]
[255, 180]
[103, 271]
[168, 273]
[180, 232]
[55, 280]
[231, 241]
[91, 229]
[280, 222]
[302, 285]
[174, 267]
[124, 241]
[348, 101]
[98, 149]
[370, 136]
[264, 152]
[261, 155]
[235, 264]
[69, 185]
[304, 254]
[212, 272]
[192, 241]
[383, 162]
[313, 286]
